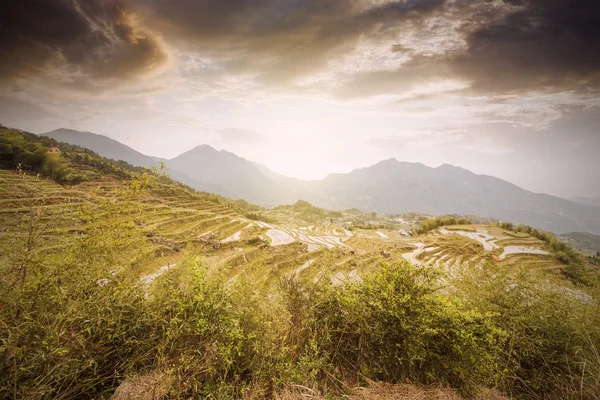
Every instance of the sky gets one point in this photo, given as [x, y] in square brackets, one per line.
[509, 88]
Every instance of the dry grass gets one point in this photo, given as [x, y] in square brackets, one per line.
[386, 391]
[381, 391]
[152, 386]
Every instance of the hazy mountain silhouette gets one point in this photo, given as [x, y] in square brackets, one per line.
[388, 187]
[102, 145]
[590, 201]
[393, 187]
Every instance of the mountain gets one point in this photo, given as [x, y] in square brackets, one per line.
[225, 172]
[590, 201]
[203, 168]
[388, 187]
[586, 242]
[230, 175]
[272, 175]
[110, 148]
[102, 145]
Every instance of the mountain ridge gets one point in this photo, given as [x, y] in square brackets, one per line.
[388, 187]
[103, 145]
[591, 201]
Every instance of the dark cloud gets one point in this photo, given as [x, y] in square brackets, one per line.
[75, 40]
[280, 40]
[522, 46]
[509, 46]
[417, 72]
[543, 44]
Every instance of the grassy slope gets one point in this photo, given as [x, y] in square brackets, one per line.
[586, 242]
[48, 226]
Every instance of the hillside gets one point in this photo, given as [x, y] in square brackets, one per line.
[103, 145]
[203, 168]
[121, 279]
[590, 201]
[394, 187]
[586, 242]
[388, 187]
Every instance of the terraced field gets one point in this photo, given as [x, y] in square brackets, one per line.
[176, 222]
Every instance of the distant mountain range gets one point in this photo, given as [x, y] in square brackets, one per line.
[586, 242]
[388, 187]
[590, 201]
[102, 145]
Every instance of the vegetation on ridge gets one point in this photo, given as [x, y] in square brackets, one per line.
[576, 264]
[434, 223]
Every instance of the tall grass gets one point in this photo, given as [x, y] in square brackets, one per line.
[78, 327]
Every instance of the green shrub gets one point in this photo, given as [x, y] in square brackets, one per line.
[399, 325]
[434, 223]
[552, 332]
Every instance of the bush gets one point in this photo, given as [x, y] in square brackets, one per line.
[434, 223]
[552, 333]
[399, 325]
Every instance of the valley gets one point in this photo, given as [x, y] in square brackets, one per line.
[139, 283]
[176, 222]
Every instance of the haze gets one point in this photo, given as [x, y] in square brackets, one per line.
[507, 88]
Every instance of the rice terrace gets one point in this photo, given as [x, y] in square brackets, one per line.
[119, 230]
[300, 200]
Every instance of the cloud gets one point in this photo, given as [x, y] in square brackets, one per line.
[419, 138]
[538, 45]
[84, 44]
[344, 48]
[241, 135]
[277, 42]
